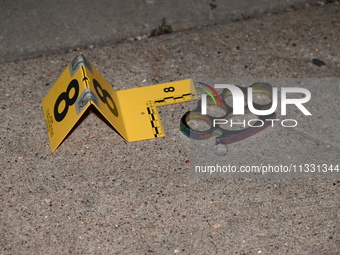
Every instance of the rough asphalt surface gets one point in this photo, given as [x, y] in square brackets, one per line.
[98, 194]
[30, 28]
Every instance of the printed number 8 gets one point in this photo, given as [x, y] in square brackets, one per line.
[170, 89]
[104, 96]
[65, 96]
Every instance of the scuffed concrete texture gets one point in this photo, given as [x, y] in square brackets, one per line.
[98, 194]
[30, 28]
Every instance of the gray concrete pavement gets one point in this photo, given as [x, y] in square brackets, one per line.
[98, 194]
[31, 28]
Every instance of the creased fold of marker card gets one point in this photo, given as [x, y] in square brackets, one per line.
[133, 112]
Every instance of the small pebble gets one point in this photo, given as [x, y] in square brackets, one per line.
[220, 149]
[318, 62]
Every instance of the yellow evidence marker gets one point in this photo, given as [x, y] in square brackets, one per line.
[132, 112]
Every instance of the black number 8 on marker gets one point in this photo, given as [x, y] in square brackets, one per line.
[169, 89]
[65, 96]
[105, 97]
